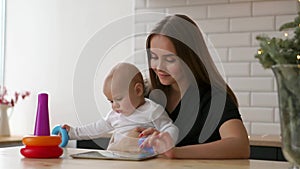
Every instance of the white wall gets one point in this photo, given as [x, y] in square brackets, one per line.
[232, 26]
[44, 40]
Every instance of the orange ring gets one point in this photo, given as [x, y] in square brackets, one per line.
[41, 140]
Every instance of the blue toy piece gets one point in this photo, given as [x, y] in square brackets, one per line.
[64, 135]
[147, 149]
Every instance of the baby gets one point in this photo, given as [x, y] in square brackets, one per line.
[124, 88]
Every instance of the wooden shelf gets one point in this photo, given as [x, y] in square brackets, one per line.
[9, 141]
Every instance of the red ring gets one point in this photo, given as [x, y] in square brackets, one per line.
[41, 152]
[41, 140]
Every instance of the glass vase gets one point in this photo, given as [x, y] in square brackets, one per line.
[288, 87]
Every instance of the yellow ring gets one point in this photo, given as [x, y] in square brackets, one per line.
[41, 140]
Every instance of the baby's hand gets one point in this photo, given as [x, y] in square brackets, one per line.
[62, 131]
[67, 127]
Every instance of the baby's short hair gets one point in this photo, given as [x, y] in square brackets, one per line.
[125, 74]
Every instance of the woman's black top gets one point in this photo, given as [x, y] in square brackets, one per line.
[208, 106]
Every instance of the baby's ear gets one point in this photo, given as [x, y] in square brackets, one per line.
[139, 89]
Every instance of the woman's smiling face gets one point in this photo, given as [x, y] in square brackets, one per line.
[164, 60]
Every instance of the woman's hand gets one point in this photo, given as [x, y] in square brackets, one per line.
[161, 142]
[170, 153]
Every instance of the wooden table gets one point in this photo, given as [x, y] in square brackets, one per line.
[11, 158]
[255, 140]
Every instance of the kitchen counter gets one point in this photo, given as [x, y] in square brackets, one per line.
[265, 140]
[266, 147]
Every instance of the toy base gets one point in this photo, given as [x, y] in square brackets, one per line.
[41, 152]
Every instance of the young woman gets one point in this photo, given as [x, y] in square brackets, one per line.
[185, 80]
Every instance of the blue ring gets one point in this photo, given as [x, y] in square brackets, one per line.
[64, 135]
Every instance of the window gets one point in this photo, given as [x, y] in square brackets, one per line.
[2, 37]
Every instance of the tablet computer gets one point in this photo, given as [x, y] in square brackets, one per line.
[114, 155]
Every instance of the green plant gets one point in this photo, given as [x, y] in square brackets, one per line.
[282, 55]
[275, 51]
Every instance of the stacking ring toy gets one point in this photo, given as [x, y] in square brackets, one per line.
[64, 135]
[41, 152]
[147, 149]
[41, 140]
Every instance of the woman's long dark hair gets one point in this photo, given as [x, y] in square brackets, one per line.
[190, 46]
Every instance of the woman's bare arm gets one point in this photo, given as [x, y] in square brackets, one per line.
[234, 143]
